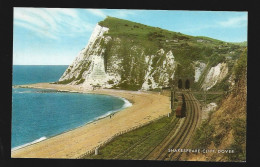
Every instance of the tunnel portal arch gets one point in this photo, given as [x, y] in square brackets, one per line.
[187, 84]
[180, 84]
[183, 83]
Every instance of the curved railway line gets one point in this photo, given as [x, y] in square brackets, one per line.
[182, 137]
[171, 125]
[176, 134]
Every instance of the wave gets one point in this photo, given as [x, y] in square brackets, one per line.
[27, 92]
[27, 144]
[23, 92]
[35, 91]
[39, 90]
[126, 105]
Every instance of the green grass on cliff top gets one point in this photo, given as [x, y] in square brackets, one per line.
[184, 46]
[122, 27]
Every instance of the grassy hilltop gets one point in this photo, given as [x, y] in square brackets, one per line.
[140, 54]
[184, 46]
[186, 49]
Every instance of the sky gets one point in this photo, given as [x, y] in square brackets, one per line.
[55, 36]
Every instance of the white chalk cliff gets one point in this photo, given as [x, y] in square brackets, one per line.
[215, 75]
[88, 68]
[120, 60]
[89, 63]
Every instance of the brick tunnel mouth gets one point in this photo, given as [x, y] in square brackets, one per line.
[187, 84]
[180, 84]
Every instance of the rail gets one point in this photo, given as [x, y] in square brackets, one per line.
[182, 138]
[118, 134]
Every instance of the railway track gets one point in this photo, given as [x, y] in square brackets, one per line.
[171, 125]
[183, 143]
[175, 134]
[181, 139]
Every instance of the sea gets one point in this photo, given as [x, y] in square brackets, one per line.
[38, 114]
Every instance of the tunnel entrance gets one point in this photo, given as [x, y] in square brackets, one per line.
[187, 84]
[180, 84]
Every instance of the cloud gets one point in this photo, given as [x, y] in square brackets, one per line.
[39, 32]
[123, 13]
[120, 13]
[97, 12]
[234, 22]
[51, 22]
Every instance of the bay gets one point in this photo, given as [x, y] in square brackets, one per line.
[38, 114]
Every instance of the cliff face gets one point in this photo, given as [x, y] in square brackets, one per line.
[215, 74]
[128, 55]
[88, 67]
[225, 128]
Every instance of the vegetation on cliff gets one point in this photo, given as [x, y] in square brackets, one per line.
[132, 46]
[148, 40]
[226, 127]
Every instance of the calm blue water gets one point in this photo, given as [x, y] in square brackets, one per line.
[36, 73]
[38, 114]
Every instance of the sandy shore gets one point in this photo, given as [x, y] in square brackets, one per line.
[72, 144]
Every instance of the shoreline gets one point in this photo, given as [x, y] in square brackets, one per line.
[77, 141]
[129, 104]
[89, 122]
